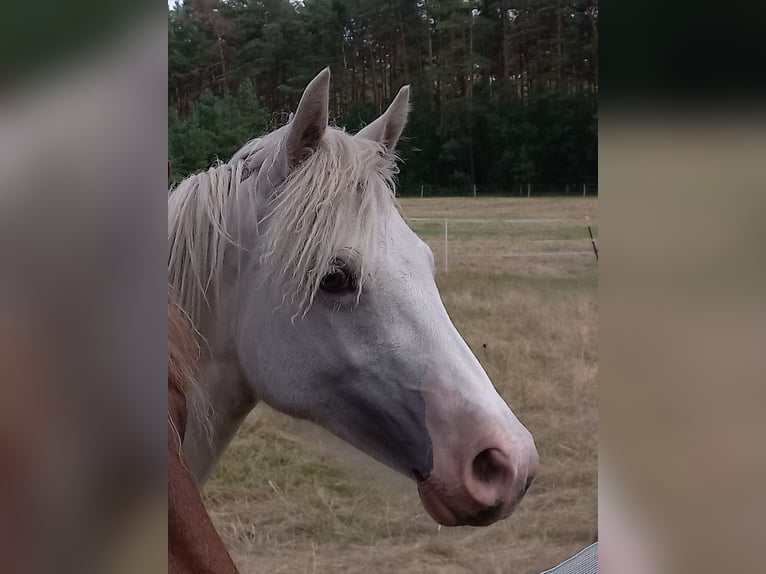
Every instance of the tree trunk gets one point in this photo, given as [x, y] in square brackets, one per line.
[374, 80]
[469, 94]
[223, 66]
[407, 78]
[505, 67]
[559, 44]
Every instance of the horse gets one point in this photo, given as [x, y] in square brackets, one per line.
[315, 297]
[194, 546]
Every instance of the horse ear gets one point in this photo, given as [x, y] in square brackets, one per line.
[388, 127]
[310, 120]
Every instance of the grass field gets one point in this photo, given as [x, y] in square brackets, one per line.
[290, 498]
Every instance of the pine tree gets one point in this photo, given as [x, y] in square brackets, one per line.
[504, 92]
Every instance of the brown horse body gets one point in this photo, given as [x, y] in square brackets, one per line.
[194, 546]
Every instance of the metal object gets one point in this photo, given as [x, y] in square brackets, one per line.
[584, 562]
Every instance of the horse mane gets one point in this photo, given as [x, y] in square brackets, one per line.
[183, 349]
[184, 354]
[332, 203]
[198, 221]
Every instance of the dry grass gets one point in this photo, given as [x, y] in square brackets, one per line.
[289, 498]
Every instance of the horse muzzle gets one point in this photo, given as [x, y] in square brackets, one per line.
[481, 489]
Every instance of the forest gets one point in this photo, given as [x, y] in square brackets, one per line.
[504, 93]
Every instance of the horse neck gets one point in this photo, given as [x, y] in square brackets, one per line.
[227, 395]
[230, 404]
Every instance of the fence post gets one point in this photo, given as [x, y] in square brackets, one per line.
[474, 190]
[446, 247]
[529, 190]
[583, 190]
[421, 191]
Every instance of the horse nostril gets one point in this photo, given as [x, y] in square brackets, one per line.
[489, 467]
[418, 476]
[530, 480]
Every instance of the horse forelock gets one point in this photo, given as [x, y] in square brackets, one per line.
[334, 202]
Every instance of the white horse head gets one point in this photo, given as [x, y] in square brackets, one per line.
[318, 299]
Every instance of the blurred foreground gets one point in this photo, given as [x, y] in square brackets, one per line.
[82, 307]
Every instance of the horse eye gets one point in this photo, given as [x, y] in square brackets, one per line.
[338, 280]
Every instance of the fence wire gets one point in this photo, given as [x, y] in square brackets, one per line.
[586, 189]
[476, 244]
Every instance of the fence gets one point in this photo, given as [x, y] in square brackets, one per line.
[586, 189]
[475, 244]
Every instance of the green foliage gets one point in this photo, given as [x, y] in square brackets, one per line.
[215, 128]
[504, 92]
